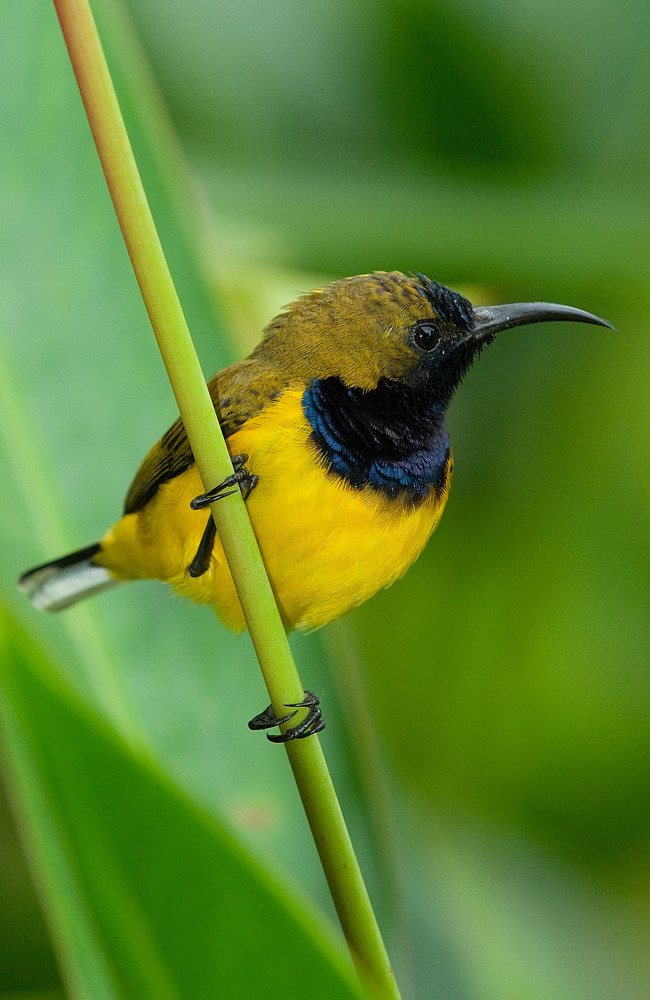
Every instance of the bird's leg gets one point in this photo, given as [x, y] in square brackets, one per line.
[240, 476]
[201, 560]
[312, 723]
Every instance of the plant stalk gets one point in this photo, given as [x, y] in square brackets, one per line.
[213, 461]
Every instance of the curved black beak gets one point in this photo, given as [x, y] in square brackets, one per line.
[489, 320]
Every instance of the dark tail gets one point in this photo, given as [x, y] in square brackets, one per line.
[58, 584]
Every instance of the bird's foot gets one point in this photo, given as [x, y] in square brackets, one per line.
[241, 476]
[312, 723]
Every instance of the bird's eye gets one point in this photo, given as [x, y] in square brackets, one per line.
[426, 336]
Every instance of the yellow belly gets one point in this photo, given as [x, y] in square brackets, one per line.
[327, 547]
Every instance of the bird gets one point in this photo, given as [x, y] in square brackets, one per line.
[336, 425]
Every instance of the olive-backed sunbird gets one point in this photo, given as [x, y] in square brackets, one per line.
[337, 419]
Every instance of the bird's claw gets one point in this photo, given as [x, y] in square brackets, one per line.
[241, 476]
[311, 724]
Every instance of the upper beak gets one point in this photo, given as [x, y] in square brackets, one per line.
[488, 320]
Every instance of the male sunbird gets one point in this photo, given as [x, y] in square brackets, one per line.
[336, 425]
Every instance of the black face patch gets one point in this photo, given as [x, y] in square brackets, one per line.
[389, 438]
[449, 306]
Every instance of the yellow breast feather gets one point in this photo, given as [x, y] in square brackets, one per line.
[326, 546]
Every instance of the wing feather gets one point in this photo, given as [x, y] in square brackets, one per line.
[238, 393]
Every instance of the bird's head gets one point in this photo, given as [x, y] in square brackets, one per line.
[397, 328]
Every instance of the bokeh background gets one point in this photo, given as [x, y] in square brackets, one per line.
[488, 715]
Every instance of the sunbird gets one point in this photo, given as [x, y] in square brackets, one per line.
[336, 427]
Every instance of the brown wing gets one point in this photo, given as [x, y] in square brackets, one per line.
[238, 393]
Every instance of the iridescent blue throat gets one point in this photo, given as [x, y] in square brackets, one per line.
[391, 438]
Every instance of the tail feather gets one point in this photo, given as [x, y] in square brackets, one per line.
[58, 584]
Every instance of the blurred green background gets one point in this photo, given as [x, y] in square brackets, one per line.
[488, 715]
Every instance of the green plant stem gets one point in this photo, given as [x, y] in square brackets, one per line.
[213, 461]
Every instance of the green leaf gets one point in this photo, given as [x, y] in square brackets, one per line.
[148, 895]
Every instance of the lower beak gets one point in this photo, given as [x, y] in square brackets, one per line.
[489, 320]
